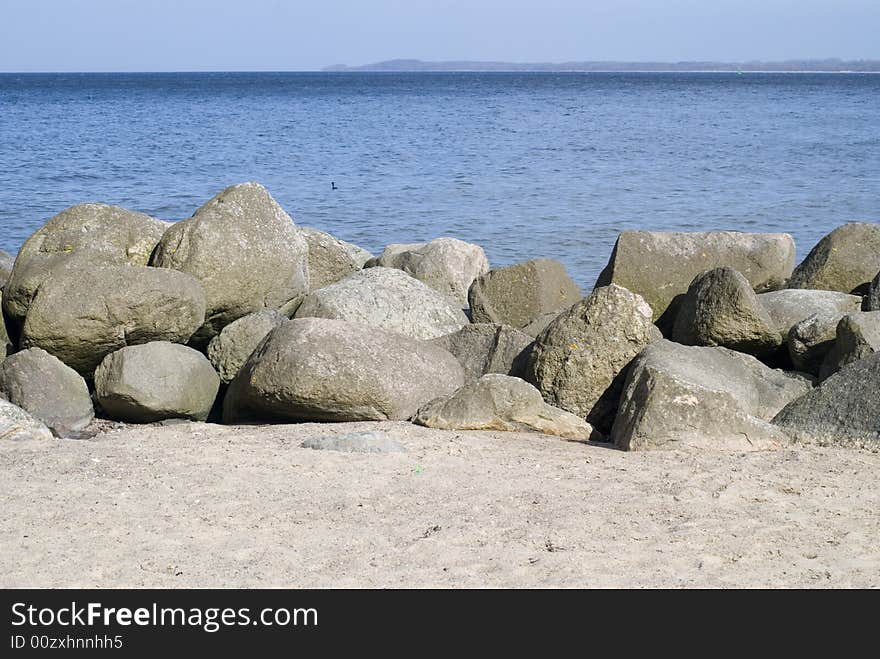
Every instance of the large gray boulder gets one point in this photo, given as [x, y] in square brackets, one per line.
[246, 252]
[6, 263]
[810, 340]
[388, 299]
[845, 408]
[5, 342]
[229, 350]
[83, 235]
[16, 425]
[702, 397]
[319, 369]
[857, 337]
[872, 298]
[483, 348]
[721, 309]
[578, 363]
[790, 306]
[83, 317]
[660, 265]
[845, 260]
[447, 265]
[48, 389]
[156, 381]
[502, 402]
[519, 294]
[331, 259]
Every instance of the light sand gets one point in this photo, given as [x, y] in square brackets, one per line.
[202, 505]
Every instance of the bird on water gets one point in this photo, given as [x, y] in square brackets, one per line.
[333, 185]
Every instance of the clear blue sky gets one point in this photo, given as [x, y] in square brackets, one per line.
[191, 35]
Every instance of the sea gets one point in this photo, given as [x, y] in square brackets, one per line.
[526, 165]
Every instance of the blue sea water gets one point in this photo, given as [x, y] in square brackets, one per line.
[527, 165]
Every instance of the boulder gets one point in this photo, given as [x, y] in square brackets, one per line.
[519, 294]
[484, 348]
[319, 369]
[790, 306]
[156, 381]
[447, 265]
[721, 309]
[872, 299]
[372, 441]
[6, 346]
[844, 409]
[246, 252]
[331, 259]
[502, 402]
[6, 263]
[578, 363]
[388, 299]
[229, 350]
[702, 397]
[16, 425]
[810, 340]
[660, 265]
[845, 260]
[47, 389]
[83, 235]
[84, 317]
[857, 336]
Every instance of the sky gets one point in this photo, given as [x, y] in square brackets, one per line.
[294, 35]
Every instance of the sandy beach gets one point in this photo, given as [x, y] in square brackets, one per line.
[198, 505]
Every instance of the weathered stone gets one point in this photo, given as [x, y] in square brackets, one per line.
[722, 309]
[388, 299]
[519, 294]
[331, 259]
[502, 402]
[16, 425]
[229, 350]
[5, 342]
[578, 363]
[484, 348]
[155, 381]
[702, 397]
[790, 306]
[6, 263]
[660, 265]
[246, 252]
[845, 408]
[872, 299]
[447, 265]
[356, 442]
[811, 339]
[83, 235]
[857, 336]
[49, 390]
[85, 316]
[845, 260]
[319, 369]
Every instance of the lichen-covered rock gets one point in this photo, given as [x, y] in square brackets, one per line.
[502, 402]
[319, 369]
[156, 381]
[331, 259]
[702, 397]
[844, 409]
[83, 317]
[246, 252]
[16, 425]
[447, 265]
[660, 265]
[578, 363]
[790, 306]
[845, 260]
[857, 336]
[82, 235]
[229, 350]
[519, 294]
[49, 390]
[483, 348]
[388, 299]
[810, 340]
[721, 309]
